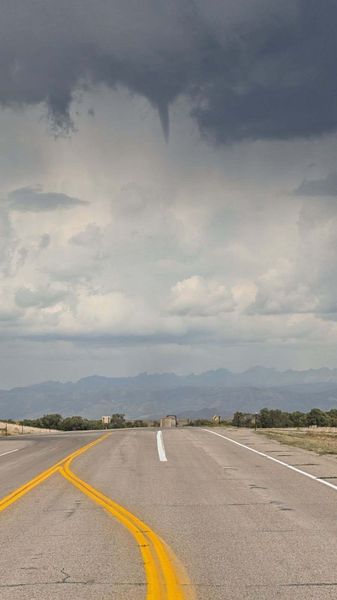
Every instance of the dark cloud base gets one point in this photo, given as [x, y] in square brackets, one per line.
[251, 69]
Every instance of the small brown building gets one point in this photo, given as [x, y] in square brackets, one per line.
[168, 421]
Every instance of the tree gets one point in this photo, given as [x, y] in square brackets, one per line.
[75, 423]
[317, 417]
[238, 419]
[93, 424]
[264, 418]
[332, 414]
[52, 421]
[298, 419]
[117, 421]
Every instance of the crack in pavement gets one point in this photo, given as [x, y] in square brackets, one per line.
[88, 582]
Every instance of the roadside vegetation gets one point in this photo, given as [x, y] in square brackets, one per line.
[310, 431]
[204, 423]
[268, 418]
[322, 442]
[78, 423]
[315, 430]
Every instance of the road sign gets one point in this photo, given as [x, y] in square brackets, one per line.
[106, 420]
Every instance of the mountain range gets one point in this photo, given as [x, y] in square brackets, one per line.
[196, 396]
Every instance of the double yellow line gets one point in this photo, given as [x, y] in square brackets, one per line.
[166, 579]
[26, 487]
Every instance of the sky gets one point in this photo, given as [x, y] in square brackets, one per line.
[168, 186]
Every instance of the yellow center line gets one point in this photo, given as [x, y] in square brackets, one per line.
[154, 590]
[163, 576]
[166, 579]
[29, 485]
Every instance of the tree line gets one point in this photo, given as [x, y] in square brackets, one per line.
[264, 419]
[78, 423]
[278, 418]
[275, 418]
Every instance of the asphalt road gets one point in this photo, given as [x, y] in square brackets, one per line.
[243, 526]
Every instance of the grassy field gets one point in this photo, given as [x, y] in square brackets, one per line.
[320, 441]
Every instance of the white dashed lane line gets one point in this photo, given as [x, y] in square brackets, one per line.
[9, 452]
[161, 447]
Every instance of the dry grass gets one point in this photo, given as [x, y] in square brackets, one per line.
[14, 429]
[319, 441]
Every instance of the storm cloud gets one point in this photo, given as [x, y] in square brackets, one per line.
[133, 254]
[249, 69]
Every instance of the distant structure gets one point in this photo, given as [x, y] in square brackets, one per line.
[216, 419]
[168, 421]
[106, 420]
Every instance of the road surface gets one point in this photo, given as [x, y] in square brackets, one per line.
[198, 516]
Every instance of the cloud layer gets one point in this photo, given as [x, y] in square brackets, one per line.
[327, 186]
[119, 252]
[33, 199]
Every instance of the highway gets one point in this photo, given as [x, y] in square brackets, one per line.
[186, 514]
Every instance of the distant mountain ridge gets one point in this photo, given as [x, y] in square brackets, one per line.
[152, 395]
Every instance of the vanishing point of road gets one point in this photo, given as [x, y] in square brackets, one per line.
[183, 514]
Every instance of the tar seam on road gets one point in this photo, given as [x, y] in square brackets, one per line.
[166, 577]
[280, 462]
[161, 447]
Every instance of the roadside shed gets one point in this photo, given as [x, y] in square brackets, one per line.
[168, 421]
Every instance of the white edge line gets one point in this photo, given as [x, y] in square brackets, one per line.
[280, 462]
[10, 452]
[161, 447]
